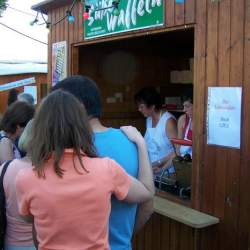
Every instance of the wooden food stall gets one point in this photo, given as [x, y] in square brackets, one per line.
[17, 75]
[179, 46]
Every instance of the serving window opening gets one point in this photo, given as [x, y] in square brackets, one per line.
[163, 61]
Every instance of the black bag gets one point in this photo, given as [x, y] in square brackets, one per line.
[3, 220]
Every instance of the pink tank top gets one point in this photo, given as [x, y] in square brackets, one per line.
[19, 232]
[187, 130]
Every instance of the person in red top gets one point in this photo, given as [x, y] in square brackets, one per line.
[185, 126]
[68, 190]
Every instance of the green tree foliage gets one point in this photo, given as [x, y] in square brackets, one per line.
[3, 6]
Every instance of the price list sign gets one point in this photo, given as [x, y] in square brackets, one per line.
[224, 116]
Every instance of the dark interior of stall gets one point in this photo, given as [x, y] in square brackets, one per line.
[122, 67]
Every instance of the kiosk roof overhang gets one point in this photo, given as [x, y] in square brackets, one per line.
[47, 5]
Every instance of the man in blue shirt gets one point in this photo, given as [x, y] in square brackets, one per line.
[112, 143]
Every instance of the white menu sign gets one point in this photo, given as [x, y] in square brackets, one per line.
[224, 116]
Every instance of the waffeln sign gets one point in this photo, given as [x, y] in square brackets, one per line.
[133, 15]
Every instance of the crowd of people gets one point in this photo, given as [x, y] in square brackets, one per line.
[73, 183]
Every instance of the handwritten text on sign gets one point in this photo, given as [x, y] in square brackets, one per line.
[224, 116]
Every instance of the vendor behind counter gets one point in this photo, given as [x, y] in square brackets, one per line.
[185, 126]
[160, 127]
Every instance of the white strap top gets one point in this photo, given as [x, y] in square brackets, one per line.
[157, 139]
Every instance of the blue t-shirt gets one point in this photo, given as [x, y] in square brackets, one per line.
[115, 145]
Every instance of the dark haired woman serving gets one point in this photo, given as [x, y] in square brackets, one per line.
[161, 126]
[68, 192]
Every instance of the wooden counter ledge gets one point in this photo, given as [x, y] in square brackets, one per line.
[182, 214]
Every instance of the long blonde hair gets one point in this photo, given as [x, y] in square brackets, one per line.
[24, 140]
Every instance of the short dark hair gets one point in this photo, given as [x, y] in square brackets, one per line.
[17, 114]
[85, 90]
[61, 122]
[149, 96]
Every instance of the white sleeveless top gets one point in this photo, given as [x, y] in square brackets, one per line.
[157, 139]
[16, 152]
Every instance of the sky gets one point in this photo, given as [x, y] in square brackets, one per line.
[14, 47]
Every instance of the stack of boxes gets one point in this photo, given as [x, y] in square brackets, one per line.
[183, 76]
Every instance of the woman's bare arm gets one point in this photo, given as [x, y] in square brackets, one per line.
[141, 189]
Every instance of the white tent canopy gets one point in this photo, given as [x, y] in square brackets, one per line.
[13, 68]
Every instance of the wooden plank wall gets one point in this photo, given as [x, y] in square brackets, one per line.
[41, 78]
[161, 233]
[221, 47]
[179, 14]
[221, 176]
